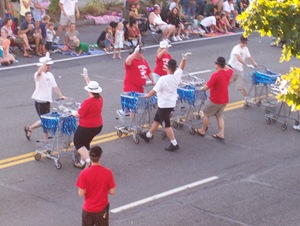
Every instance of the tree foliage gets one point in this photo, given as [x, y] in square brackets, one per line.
[280, 19]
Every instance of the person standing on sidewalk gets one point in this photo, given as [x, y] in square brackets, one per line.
[166, 90]
[4, 6]
[44, 84]
[69, 10]
[95, 184]
[219, 97]
[237, 61]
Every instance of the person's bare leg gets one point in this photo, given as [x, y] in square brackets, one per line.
[154, 127]
[83, 153]
[221, 125]
[170, 133]
[204, 124]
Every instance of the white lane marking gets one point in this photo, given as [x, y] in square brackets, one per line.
[96, 55]
[164, 194]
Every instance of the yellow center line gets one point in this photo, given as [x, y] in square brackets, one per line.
[12, 161]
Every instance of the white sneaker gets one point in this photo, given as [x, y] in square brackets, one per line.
[178, 38]
[56, 40]
[174, 39]
[187, 37]
[296, 127]
[122, 113]
[249, 100]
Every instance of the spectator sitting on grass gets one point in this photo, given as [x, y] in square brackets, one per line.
[80, 47]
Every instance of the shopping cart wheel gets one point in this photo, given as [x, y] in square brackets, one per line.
[274, 120]
[268, 120]
[37, 156]
[136, 140]
[175, 125]
[119, 133]
[163, 135]
[246, 106]
[57, 163]
[192, 131]
[258, 103]
[283, 127]
[48, 154]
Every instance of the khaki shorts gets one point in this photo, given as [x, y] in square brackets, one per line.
[237, 77]
[212, 109]
[66, 20]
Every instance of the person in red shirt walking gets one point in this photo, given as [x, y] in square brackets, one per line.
[162, 58]
[136, 72]
[90, 121]
[95, 184]
[219, 97]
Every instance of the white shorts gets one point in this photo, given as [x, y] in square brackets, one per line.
[66, 20]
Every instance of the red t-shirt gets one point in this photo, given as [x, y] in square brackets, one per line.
[218, 85]
[136, 75]
[159, 67]
[90, 113]
[96, 181]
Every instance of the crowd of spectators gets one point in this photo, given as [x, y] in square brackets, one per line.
[175, 19]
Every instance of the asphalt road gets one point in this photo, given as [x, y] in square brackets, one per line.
[251, 178]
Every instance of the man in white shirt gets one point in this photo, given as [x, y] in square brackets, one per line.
[67, 16]
[230, 12]
[166, 90]
[42, 95]
[237, 61]
[209, 24]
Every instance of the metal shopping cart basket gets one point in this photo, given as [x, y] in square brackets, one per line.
[261, 78]
[61, 126]
[135, 114]
[280, 111]
[189, 104]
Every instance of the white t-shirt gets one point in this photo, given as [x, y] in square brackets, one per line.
[242, 52]
[69, 6]
[166, 89]
[228, 7]
[43, 87]
[208, 21]
[50, 35]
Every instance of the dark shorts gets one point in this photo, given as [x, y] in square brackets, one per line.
[42, 108]
[83, 136]
[163, 116]
[49, 46]
[98, 219]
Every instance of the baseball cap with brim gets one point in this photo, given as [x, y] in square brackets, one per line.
[96, 151]
[46, 59]
[93, 87]
[164, 44]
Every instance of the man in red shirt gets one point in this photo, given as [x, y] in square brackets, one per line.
[136, 72]
[219, 97]
[94, 184]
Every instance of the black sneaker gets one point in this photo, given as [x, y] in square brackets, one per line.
[144, 136]
[172, 147]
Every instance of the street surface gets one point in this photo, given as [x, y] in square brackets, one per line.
[251, 178]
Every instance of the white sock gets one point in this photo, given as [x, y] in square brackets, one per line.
[82, 162]
[174, 142]
[148, 134]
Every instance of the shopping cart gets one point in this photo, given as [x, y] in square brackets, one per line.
[135, 115]
[61, 126]
[280, 111]
[189, 104]
[261, 78]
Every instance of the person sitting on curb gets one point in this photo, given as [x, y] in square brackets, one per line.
[166, 90]
[80, 47]
[209, 24]
[155, 20]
